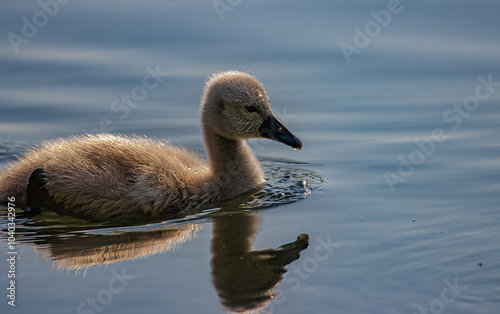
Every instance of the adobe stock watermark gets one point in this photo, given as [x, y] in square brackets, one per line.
[373, 28]
[223, 6]
[454, 117]
[31, 26]
[323, 250]
[126, 102]
[448, 295]
[104, 297]
[11, 251]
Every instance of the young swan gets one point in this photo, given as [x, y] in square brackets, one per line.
[104, 175]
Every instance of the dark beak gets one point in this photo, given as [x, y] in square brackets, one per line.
[273, 129]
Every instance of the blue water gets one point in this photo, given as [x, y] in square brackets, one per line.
[397, 186]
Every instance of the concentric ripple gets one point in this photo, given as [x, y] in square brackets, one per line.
[283, 185]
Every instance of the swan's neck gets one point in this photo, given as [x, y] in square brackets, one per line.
[233, 163]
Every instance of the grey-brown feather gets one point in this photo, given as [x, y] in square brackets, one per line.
[105, 175]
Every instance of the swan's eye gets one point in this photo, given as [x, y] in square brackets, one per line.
[251, 108]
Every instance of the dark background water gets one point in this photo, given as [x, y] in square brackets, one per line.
[410, 221]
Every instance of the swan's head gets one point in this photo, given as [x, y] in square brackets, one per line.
[235, 105]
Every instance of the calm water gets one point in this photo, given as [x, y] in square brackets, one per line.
[396, 191]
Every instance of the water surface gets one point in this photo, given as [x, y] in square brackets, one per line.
[396, 221]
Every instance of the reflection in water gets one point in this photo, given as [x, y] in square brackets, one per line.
[245, 279]
[84, 251]
[74, 244]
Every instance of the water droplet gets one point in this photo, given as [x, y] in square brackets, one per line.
[189, 168]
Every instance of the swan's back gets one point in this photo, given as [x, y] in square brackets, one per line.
[111, 175]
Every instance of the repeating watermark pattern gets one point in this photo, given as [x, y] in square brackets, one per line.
[104, 297]
[11, 251]
[454, 117]
[323, 250]
[373, 28]
[448, 295]
[126, 102]
[223, 6]
[48, 10]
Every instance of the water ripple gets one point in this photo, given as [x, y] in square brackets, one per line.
[10, 148]
[283, 185]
